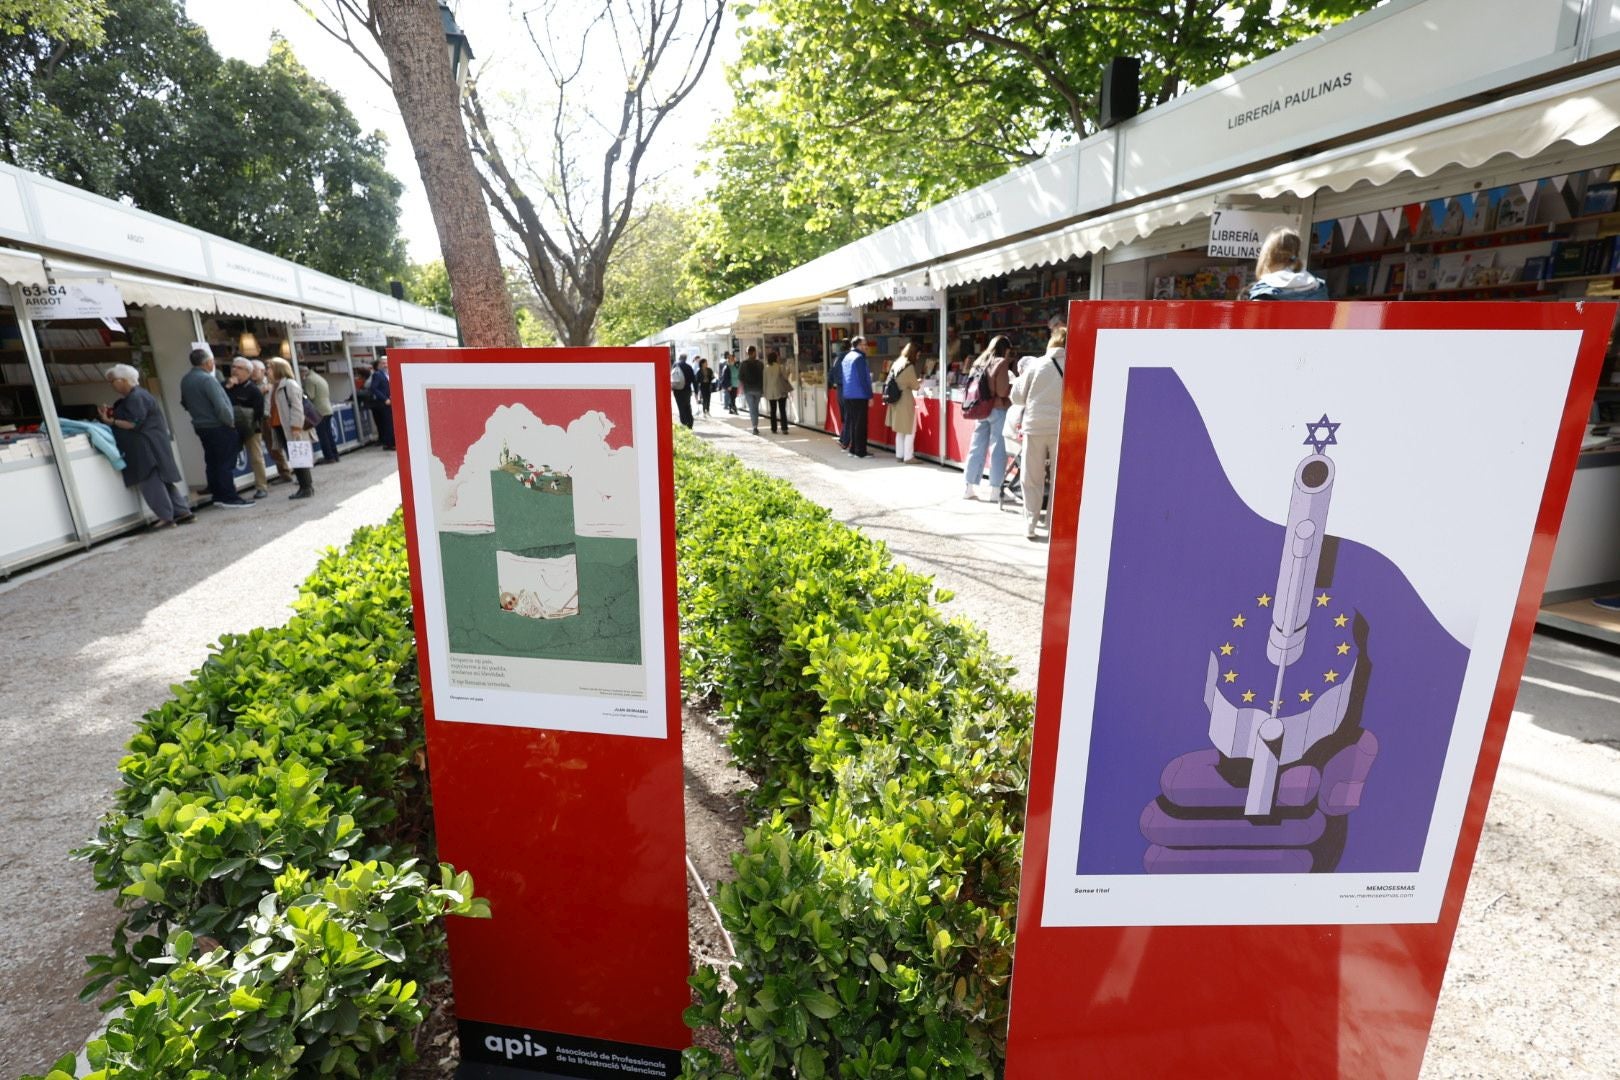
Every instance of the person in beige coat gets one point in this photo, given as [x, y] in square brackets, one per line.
[777, 388]
[288, 424]
[1038, 394]
[901, 415]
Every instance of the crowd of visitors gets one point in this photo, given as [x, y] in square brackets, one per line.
[257, 411]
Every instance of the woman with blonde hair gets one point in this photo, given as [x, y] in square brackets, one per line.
[901, 415]
[289, 422]
[1280, 272]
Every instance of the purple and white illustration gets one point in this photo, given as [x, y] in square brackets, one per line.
[1241, 722]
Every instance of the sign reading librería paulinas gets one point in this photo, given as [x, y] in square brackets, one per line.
[80, 300]
[1238, 234]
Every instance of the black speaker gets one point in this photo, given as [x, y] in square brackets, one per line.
[1121, 90]
[397, 288]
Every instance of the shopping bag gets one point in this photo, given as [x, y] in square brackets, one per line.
[301, 454]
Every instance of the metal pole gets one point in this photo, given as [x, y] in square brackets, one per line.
[354, 395]
[53, 426]
[944, 360]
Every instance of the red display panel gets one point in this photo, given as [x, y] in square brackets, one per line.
[1200, 896]
[540, 524]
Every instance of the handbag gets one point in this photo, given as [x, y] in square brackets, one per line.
[301, 454]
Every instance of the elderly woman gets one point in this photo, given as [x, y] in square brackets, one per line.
[143, 438]
[288, 422]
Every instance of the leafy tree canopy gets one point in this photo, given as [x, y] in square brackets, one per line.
[852, 114]
[428, 284]
[64, 20]
[266, 154]
[645, 288]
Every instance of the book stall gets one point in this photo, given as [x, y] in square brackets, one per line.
[83, 288]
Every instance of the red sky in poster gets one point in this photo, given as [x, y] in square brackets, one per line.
[455, 428]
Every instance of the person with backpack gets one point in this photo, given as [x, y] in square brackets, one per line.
[855, 395]
[900, 393]
[1039, 395]
[989, 390]
[681, 381]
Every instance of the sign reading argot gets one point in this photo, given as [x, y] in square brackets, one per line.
[1238, 234]
[78, 300]
[1281, 623]
[540, 521]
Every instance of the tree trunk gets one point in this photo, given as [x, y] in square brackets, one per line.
[418, 62]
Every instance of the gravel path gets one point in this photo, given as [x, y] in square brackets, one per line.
[91, 643]
[1533, 987]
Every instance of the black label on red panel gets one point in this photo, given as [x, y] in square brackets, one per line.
[550, 1053]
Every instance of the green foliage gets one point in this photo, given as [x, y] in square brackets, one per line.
[428, 284]
[263, 154]
[274, 810]
[61, 20]
[874, 905]
[324, 983]
[852, 114]
[644, 289]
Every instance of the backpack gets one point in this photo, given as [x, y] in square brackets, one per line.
[981, 395]
[891, 388]
[677, 377]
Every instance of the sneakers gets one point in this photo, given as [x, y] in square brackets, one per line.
[1607, 603]
[260, 494]
[185, 519]
[970, 493]
[239, 504]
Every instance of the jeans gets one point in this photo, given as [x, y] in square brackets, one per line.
[987, 436]
[323, 432]
[753, 408]
[778, 408]
[220, 445]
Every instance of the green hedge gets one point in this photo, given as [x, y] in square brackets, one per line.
[874, 904]
[264, 843]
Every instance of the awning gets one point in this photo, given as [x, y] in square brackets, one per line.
[149, 292]
[252, 307]
[865, 295]
[22, 268]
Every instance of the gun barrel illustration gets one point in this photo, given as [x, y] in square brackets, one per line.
[1310, 495]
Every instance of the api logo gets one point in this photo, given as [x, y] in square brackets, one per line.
[514, 1048]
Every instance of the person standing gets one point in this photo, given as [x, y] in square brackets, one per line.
[901, 415]
[215, 424]
[777, 388]
[705, 383]
[320, 396]
[289, 422]
[247, 405]
[1040, 391]
[995, 363]
[382, 402]
[682, 380]
[752, 375]
[261, 379]
[855, 394]
[733, 385]
[143, 438]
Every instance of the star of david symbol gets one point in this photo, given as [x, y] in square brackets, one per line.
[1323, 433]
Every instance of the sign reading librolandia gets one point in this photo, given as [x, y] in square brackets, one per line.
[539, 515]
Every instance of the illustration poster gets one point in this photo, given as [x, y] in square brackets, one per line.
[541, 594]
[1295, 571]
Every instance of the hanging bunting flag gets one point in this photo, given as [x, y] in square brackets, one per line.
[1528, 189]
[1414, 217]
[1369, 224]
[1559, 183]
[1347, 226]
[1392, 221]
[1466, 201]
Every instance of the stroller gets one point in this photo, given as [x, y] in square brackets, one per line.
[1013, 488]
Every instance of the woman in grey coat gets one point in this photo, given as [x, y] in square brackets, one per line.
[288, 421]
[143, 438]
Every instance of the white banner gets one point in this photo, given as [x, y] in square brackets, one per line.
[915, 298]
[1238, 234]
[778, 326]
[80, 300]
[369, 338]
[836, 312]
[317, 332]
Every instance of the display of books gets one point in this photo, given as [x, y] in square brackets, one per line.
[1600, 199]
[1513, 211]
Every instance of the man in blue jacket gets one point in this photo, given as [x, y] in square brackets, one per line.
[855, 395]
[212, 419]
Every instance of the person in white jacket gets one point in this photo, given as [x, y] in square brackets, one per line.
[1038, 392]
[1280, 272]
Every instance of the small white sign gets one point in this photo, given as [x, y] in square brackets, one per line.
[317, 332]
[371, 338]
[79, 300]
[915, 298]
[836, 312]
[778, 326]
[1238, 234]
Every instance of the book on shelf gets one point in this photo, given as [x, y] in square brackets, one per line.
[1599, 199]
[1568, 259]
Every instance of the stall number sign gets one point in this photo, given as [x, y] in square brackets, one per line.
[90, 300]
[1238, 234]
[915, 298]
[837, 312]
[372, 338]
[317, 332]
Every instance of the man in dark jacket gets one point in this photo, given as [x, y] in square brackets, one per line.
[215, 424]
[753, 384]
[683, 374]
[382, 403]
[855, 395]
